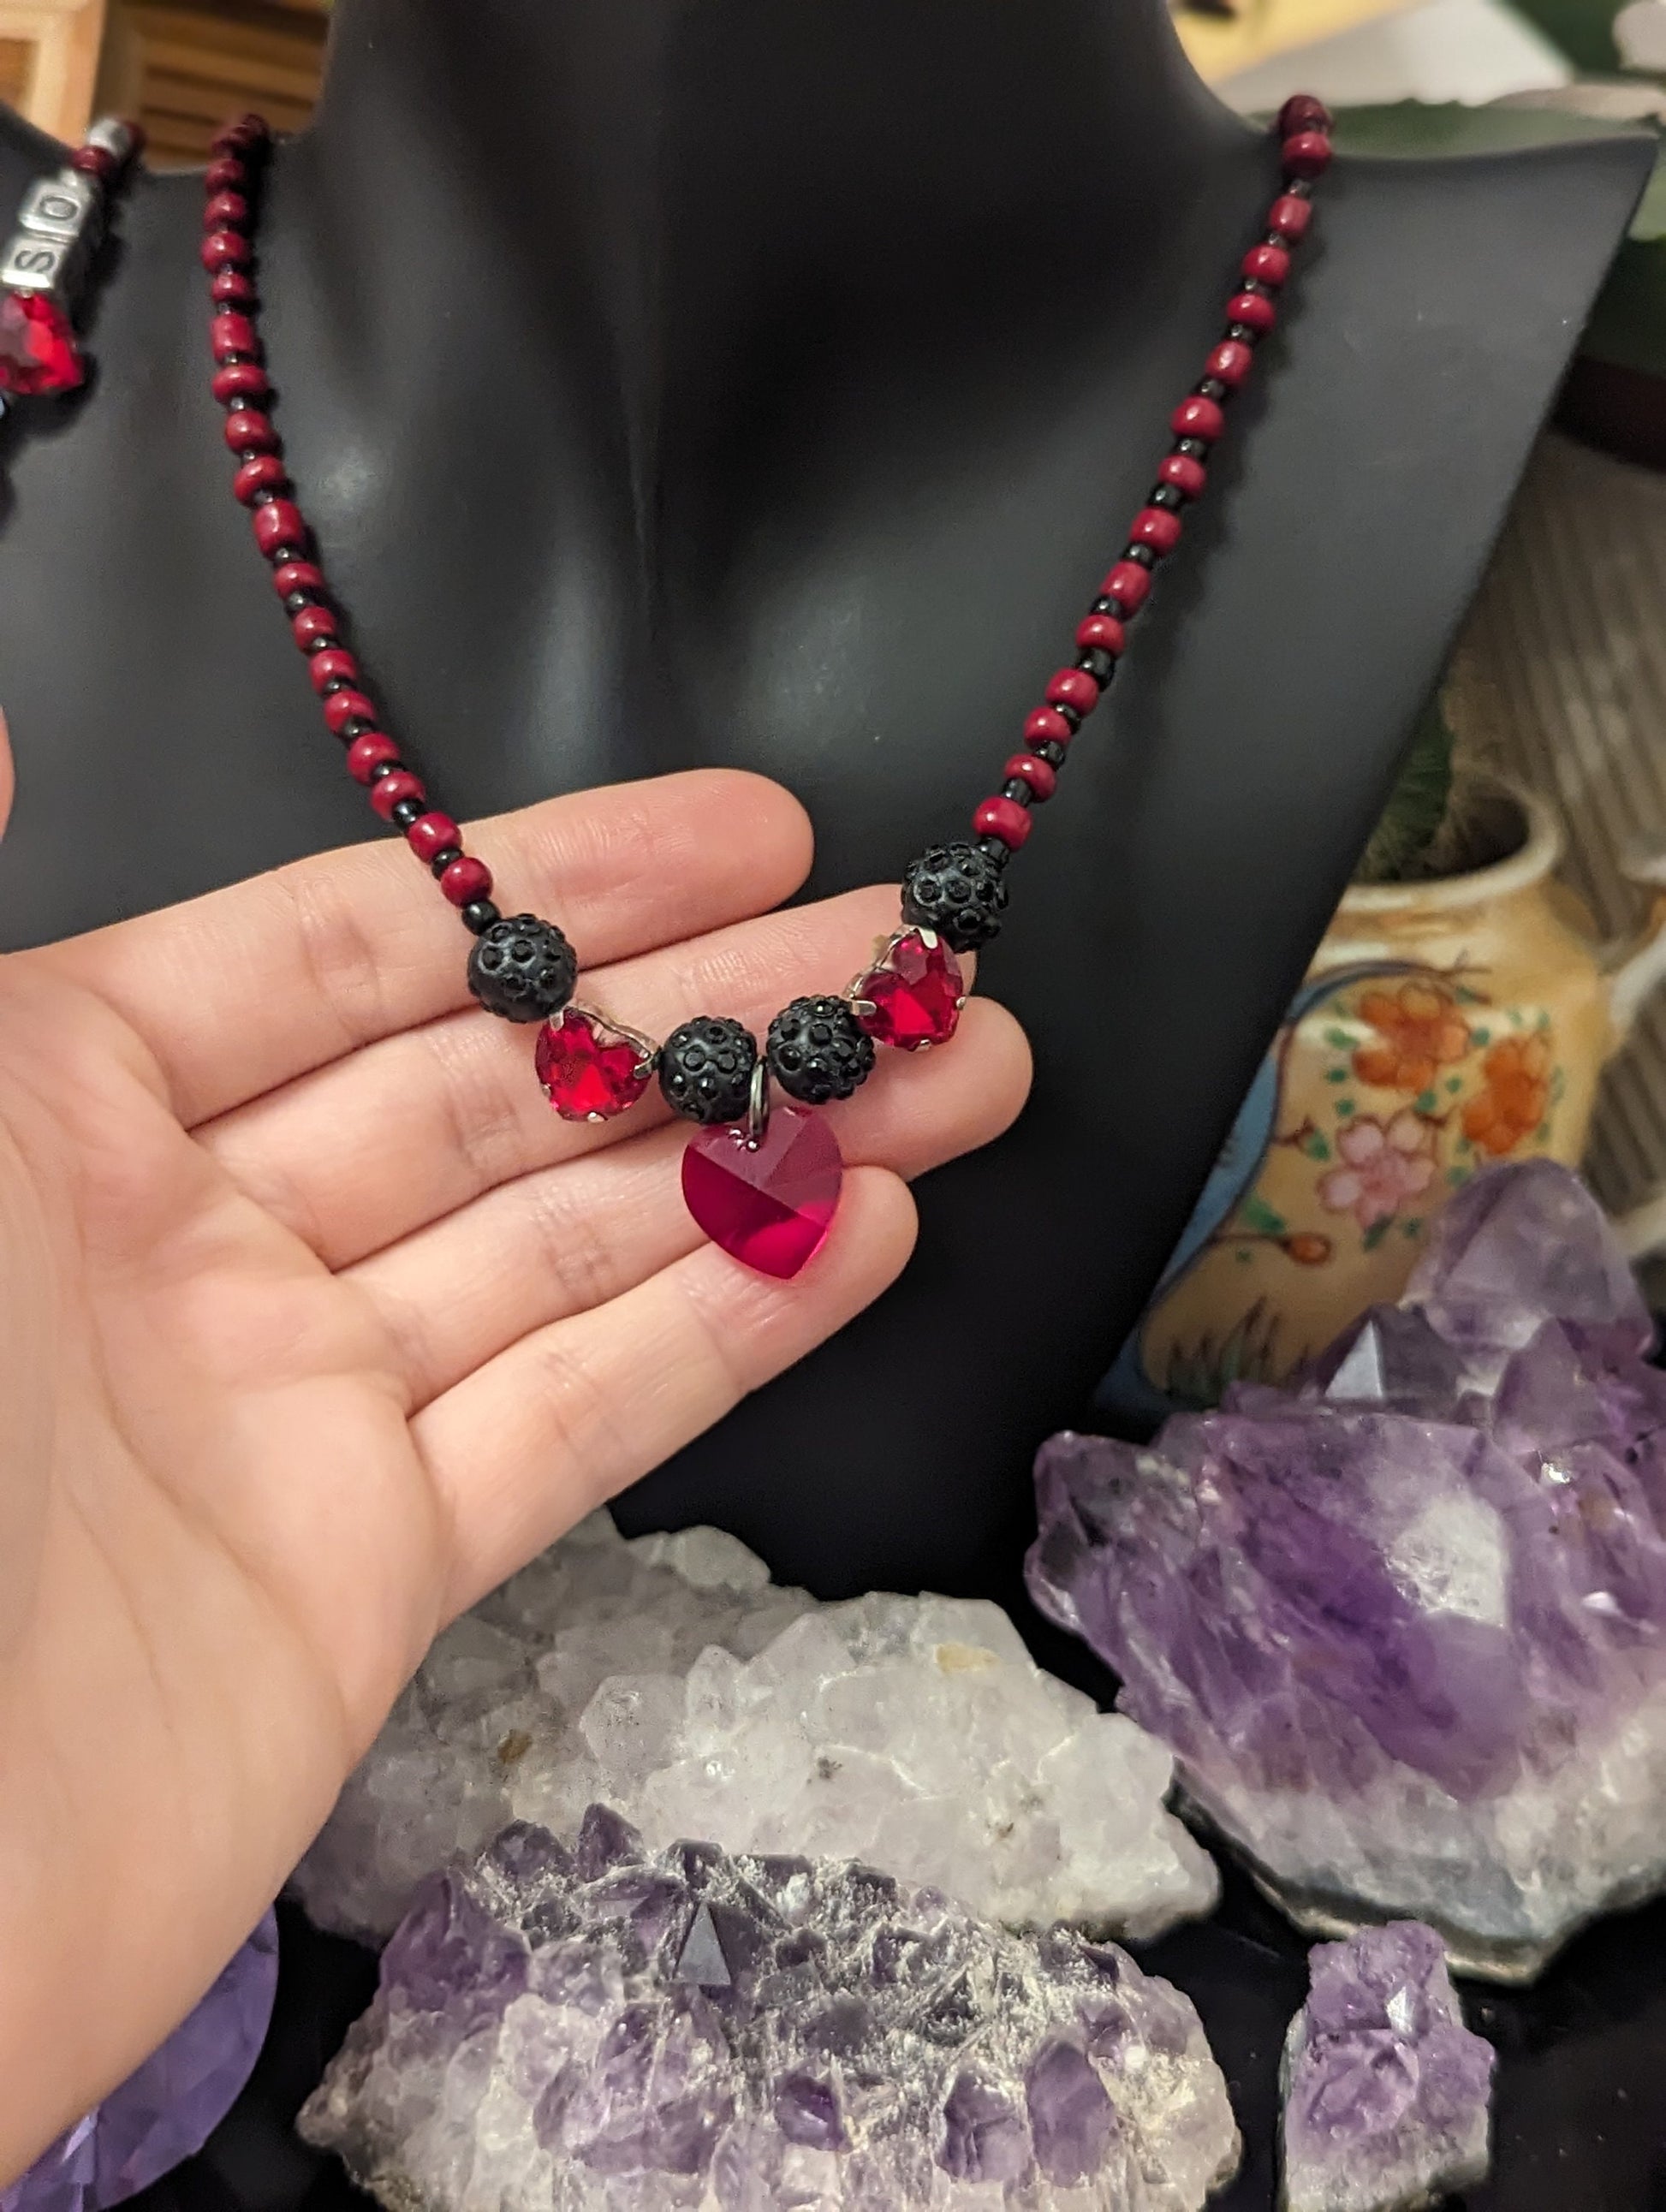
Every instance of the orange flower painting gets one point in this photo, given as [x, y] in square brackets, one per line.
[1514, 1096]
[1419, 1031]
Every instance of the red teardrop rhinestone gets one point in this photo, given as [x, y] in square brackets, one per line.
[588, 1071]
[37, 349]
[916, 995]
[768, 1204]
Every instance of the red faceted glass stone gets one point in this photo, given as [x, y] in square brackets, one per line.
[588, 1071]
[37, 349]
[770, 1205]
[915, 996]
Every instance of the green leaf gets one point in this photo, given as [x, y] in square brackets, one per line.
[1454, 1083]
[1481, 1037]
[1466, 997]
[1336, 1075]
[1374, 1235]
[1412, 1225]
[1256, 1213]
[1344, 1106]
[1342, 1039]
[1318, 1147]
[1425, 1101]
[1458, 1177]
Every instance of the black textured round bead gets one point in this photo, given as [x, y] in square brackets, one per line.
[817, 1050]
[706, 1069]
[522, 969]
[958, 891]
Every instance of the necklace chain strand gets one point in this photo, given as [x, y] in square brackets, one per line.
[762, 1182]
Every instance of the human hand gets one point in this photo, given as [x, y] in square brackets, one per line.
[315, 1323]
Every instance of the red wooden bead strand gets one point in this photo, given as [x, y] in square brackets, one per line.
[1003, 819]
[389, 790]
[1041, 775]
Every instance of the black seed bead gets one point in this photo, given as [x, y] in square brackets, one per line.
[294, 601]
[1263, 291]
[522, 968]
[319, 645]
[706, 1069]
[1243, 333]
[1194, 449]
[387, 768]
[1143, 556]
[1018, 790]
[1300, 188]
[478, 915]
[1211, 387]
[958, 891]
[1103, 606]
[1165, 494]
[406, 811]
[336, 683]
[356, 726]
[1101, 666]
[1070, 714]
[817, 1050]
[264, 496]
[280, 554]
[443, 860]
[1051, 752]
[996, 849]
[1277, 238]
[227, 307]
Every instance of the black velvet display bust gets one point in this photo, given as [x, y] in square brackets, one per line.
[676, 382]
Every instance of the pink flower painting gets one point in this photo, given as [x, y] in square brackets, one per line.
[1384, 1165]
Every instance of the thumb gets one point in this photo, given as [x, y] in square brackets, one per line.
[7, 777]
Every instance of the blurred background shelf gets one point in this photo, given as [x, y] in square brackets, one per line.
[183, 70]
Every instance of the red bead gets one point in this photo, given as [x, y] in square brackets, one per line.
[1252, 309]
[333, 665]
[297, 576]
[588, 1071]
[280, 522]
[249, 431]
[401, 784]
[1042, 779]
[240, 380]
[225, 173]
[226, 211]
[311, 624]
[1303, 112]
[343, 707]
[233, 284]
[37, 349]
[1073, 687]
[138, 137]
[1101, 634]
[1306, 154]
[466, 880]
[1269, 265]
[1046, 725]
[1128, 584]
[225, 249]
[1185, 474]
[1232, 361]
[429, 835]
[1290, 215]
[1156, 527]
[94, 161]
[265, 472]
[248, 130]
[1197, 418]
[1003, 819]
[916, 995]
[368, 752]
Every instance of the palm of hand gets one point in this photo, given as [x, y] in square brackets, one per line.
[314, 1323]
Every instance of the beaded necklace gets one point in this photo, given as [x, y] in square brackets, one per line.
[761, 1177]
[47, 260]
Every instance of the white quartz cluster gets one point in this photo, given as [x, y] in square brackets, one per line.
[669, 1678]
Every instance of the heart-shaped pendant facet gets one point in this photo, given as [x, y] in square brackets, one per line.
[768, 1204]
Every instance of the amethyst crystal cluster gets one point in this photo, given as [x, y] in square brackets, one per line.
[1385, 2089]
[1405, 1626]
[606, 2029]
[167, 2110]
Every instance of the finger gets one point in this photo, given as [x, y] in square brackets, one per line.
[576, 1411]
[569, 1238]
[371, 1148]
[250, 987]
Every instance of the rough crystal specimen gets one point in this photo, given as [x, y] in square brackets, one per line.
[671, 1678]
[606, 2030]
[1385, 2089]
[167, 2110]
[1405, 1627]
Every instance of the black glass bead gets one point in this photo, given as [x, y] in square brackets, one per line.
[1051, 752]
[522, 969]
[960, 891]
[280, 554]
[336, 683]
[1165, 494]
[1243, 333]
[1211, 387]
[1072, 715]
[1263, 291]
[817, 1050]
[996, 849]
[1143, 556]
[1299, 188]
[1101, 666]
[1104, 606]
[478, 915]
[443, 860]
[1018, 790]
[355, 726]
[294, 601]
[384, 768]
[706, 1069]
[405, 812]
[1194, 449]
[264, 497]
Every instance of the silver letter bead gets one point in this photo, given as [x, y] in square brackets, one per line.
[63, 207]
[40, 265]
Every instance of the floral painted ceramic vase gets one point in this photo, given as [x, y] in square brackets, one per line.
[1442, 1026]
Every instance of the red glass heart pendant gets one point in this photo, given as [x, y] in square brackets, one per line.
[37, 349]
[770, 1204]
